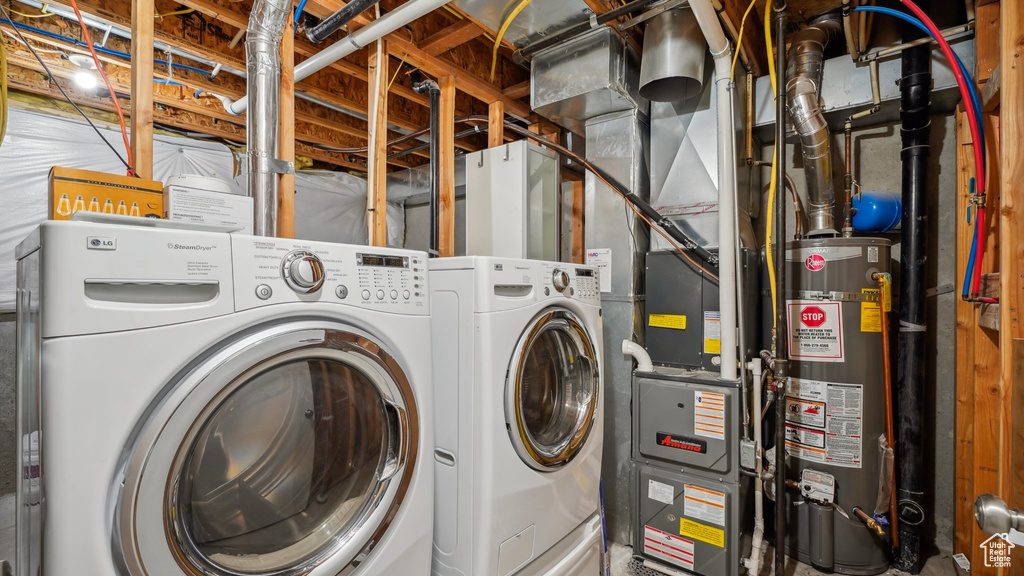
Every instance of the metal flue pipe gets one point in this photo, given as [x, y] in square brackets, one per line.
[357, 40]
[263, 72]
[335, 21]
[780, 362]
[803, 86]
[709, 24]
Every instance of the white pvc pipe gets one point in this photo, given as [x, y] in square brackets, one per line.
[753, 563]
[643, 359]
[722, 52]
[359, 39]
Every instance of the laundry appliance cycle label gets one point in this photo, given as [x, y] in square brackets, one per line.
[816, 331]
[824, 422]
[682, 442]
[668, 548]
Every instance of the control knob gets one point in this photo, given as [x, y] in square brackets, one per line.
[560, 279]
[303, 271]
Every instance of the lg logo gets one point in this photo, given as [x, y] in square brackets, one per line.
[101, 243]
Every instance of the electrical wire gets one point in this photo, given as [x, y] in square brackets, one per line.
[42, 14]
[768, 43]
[61, 89]
[774, 182]
[739, 39]
[110, 87]
[175, 13]
[501, 33]
[397, 71]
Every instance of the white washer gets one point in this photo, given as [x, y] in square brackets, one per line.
[200, 403]
[519, 425]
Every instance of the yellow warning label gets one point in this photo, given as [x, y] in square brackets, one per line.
[701, 532]
[870, 312]
[673, 321]
[712, 346]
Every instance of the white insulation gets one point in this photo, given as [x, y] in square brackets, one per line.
[329, 206]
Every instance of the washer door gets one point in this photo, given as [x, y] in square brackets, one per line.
[289, 449]
[552, 390]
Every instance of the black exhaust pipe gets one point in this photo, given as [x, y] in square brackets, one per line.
[435, 160]
[915, 109]
[335, 21]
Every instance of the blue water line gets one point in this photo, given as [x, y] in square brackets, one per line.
[969, 271]
[971, 88]
[298, 12]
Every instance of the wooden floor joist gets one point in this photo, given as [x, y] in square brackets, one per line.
[446, 184]
[286, 137]
[142, 88]
[376, 199]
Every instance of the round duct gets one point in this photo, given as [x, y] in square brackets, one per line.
[672, 67]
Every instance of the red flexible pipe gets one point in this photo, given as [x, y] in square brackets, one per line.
[979, 166]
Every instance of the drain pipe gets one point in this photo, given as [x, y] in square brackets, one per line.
[263, 73]
[915, 108]
[342, 17]
[386, 24]
[435, 160]
[643, 359]
[802, 89]
[709, 24]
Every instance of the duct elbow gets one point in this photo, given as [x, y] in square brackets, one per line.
[643, 359]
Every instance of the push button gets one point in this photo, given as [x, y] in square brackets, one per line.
[365, 294]
[380, 294]
[341, 291]
[405, 294]
[263, 292]
[394, 294]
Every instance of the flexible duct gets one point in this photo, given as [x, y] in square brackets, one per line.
[263, 73]
[802, 89]
[709, 24]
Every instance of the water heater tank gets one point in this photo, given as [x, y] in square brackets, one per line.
[835, 403]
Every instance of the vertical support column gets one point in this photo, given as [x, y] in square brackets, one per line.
[446, 137]
[142, 87]
[377, 158]
[286, 136]
[1011, 255]
[496, 124]
[578, 244]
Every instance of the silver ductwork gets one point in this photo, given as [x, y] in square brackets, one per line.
[806, 62]
[672, 66]
[263, 70]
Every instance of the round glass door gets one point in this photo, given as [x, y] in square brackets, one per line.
[298, 458]
[552, 391]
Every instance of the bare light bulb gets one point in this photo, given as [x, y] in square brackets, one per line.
[85, 79]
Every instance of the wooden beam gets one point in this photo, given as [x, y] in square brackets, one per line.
[142, 88]
[517, 91]
[286, 137]
[496, 125]
[990, 92]
[987, 32]
[578, 243]
[376, 201]
[446, 185]
[1010, 197]
[455, 35]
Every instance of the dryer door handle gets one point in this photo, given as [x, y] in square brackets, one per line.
[398, 425]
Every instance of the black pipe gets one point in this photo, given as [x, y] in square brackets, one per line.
[435, 160]
[780, 369]
[571, 31]
[915, 108]
[335, 21]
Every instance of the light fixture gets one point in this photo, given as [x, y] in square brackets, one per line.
[85, 79]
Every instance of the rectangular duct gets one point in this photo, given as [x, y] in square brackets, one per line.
[618, 143]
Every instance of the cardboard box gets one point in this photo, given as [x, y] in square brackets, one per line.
[199, 206]
[73, 190]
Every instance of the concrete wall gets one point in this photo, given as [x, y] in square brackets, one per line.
[876, 166]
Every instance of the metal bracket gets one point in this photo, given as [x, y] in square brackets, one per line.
[278, 166]
[480, 162]
[836, 296]
[939, 290]
[652, 13]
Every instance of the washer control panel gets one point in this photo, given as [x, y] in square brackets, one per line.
[567, 280]
[278, 270]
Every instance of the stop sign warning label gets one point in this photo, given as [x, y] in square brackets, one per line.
[815, 330]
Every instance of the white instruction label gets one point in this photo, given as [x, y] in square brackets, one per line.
[669, 548]
[703, 504]
[709, 414]
[660, 492]
[712, 332]
[602, 258]
[824, 422]
[816, 331]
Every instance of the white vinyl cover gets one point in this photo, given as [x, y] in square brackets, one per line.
[329, 206]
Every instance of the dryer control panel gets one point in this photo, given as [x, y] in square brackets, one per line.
[569, 280]
[276, 270]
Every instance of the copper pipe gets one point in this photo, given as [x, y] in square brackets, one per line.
[883, 280]
[798, 205]
[868, 521]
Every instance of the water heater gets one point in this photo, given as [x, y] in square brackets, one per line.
[835, 402]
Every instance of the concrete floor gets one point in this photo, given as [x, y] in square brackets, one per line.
[938, 565]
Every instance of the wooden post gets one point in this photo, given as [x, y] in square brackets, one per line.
[1010, 199]
[377, 157]
[446, 209]
[286, 137]
[496, 124]
[578, 242]
[142, 88]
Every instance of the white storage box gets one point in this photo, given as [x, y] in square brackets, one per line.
[203, 200]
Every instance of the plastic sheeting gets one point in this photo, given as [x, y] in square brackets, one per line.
[330, 206]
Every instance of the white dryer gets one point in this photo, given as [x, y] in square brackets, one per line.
[519, 424]
[199, 403]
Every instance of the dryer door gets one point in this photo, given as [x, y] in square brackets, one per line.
[552, 391]
[286, 451]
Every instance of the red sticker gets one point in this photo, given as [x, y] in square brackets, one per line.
[812, 317]
[815, 262]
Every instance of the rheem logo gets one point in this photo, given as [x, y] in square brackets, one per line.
[815, 262]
